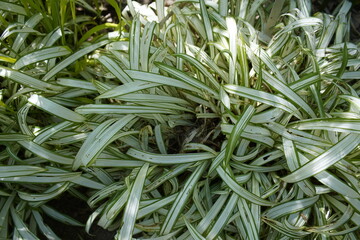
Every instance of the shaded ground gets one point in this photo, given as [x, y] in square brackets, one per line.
[80, 211]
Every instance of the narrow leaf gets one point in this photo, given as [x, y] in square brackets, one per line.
[326, 159]
[132, 206]
[55, 109]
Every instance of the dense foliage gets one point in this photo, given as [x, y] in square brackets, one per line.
[199, 120]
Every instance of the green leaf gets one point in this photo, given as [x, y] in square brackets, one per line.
[25, 31]
[41, 55]
[207, 25]
[236, 132]
[350, 75]
[26, 80]
[21, 226]
[222, 220]
[11, 7]
[13, 137]
[252, 133]
[162, 80]
[355, 218]
[14, 171]
[81, 180]
[201, 68]
[217, 160]
[145, 44]
[279, 84]
[186, 79]
[113, 208]
[134, 44]
[127, 88]
[282, 228]
[76, 83]
[194, 233]
[169, 159]
[152, 98]
[132, 206]
[290, 207]
[72, 58]
[159, 139]
[182, 199]
[118, 163]
[121, 109]
[232, 34]
[47, 195]
[180, 168]
[224, 97]
[7, 59]
[46, 153]
[250, 217]
[242, 192]
[115, 69]
[99, 139]
[212, 213]
[48, 132]
[223, 7]
[55, 109]
[303, 22]
[43, 178]
[293, 162]
[60, 216]
[332, 124]
[148, 209]
[4, 212]
[44, 228]
[326, 159]
[344, 63]
[294, 135]
[263, 97]
[304, 82]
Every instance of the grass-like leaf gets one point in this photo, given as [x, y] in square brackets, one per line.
[54, 108]
[98, 140]
[325, 160]
[131, 209]
[181, 199]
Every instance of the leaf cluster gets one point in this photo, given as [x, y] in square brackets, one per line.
[199, 120]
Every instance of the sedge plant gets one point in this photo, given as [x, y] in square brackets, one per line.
[198, 120]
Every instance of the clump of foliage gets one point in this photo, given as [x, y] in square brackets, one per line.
[201, 120]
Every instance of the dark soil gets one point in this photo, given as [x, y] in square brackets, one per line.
[80, 211]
